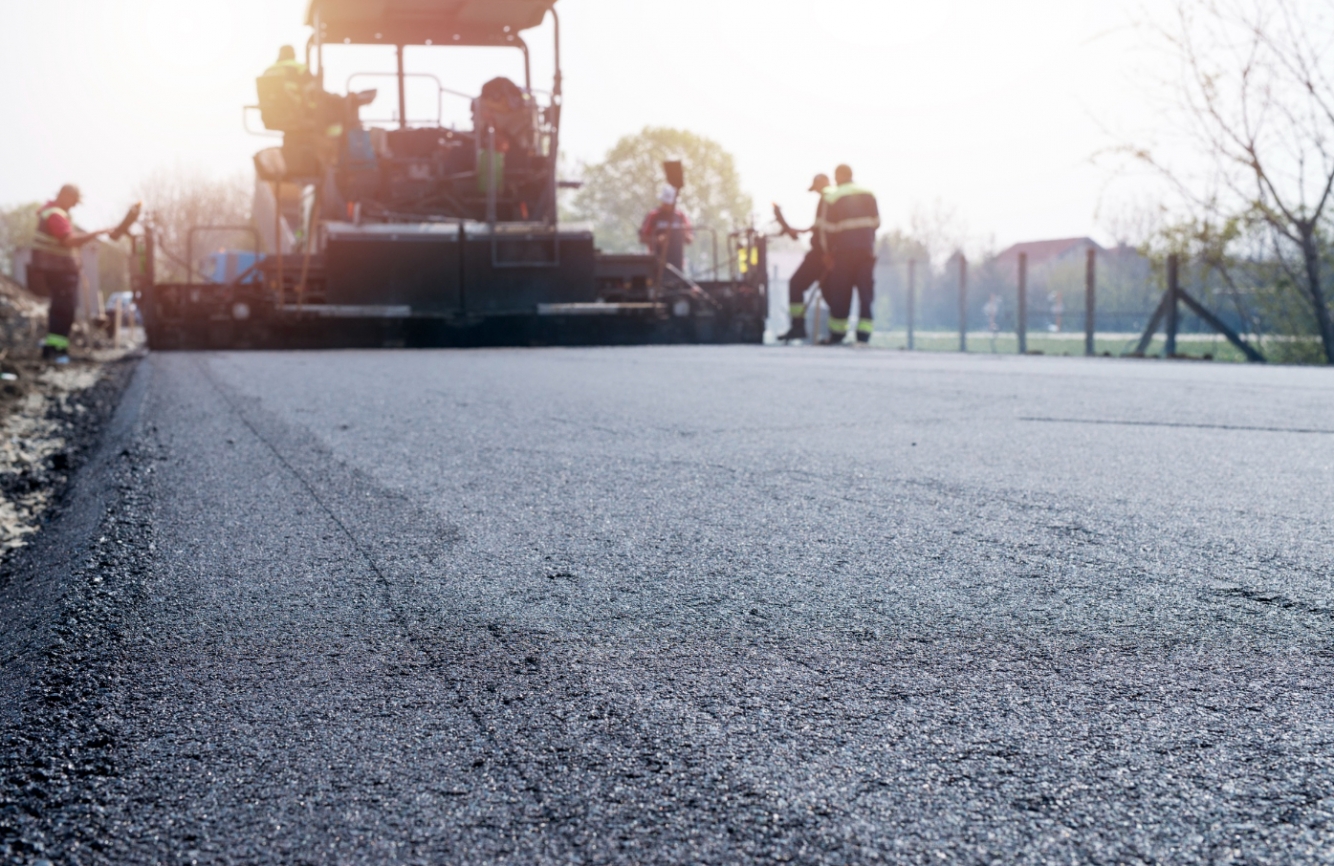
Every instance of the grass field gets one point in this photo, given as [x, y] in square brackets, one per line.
[1202, 346]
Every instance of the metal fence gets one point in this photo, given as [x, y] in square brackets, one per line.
[1108, 302]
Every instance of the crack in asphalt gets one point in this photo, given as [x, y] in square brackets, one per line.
[1182, 425]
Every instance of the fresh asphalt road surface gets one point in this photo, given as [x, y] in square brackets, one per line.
[715, 605]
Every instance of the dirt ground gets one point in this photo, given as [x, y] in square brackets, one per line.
[48, 419]
[47, 416]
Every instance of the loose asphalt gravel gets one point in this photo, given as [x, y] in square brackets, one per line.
[681, 605]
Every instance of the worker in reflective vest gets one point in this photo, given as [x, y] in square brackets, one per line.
[54, 269]
[812, 268]
[295, 81]
[291, 100]
[851, 220]
[666, 230]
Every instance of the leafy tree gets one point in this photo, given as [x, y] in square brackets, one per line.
[619, 191]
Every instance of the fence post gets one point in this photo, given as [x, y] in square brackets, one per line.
[1090, 302]
[1021, 321]
[912, 298]
[963, 303]
[1173, 303]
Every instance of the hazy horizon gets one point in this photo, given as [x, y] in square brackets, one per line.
[993, 113]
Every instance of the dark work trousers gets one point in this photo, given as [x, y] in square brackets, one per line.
[851, 271]
[64, 289]
[807, 274]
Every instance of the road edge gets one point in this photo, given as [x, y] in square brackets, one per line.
[61, 619]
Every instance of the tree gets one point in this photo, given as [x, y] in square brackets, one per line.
[1258, 104]
[619, 191]
[939, 229]
[1236, 275]
[178, 199]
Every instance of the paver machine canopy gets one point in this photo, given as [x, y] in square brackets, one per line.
[422, 22]
[503, 169]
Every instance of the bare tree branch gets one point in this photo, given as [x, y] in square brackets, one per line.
[1259, 106]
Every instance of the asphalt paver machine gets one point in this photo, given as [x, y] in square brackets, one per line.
[422, 234]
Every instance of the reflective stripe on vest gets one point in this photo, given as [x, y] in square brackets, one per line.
[848, 225]
[285, 67]
[834, 193]
[859, 210]
[293, 73]
[851, 219]
[49, 243]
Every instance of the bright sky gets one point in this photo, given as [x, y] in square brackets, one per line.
[993, 109]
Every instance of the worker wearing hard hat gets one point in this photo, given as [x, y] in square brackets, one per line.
[54, 269]
[851, 220]
[283, 90]
[666, 230]
[812, 268]
[287, 64]
[291, 100]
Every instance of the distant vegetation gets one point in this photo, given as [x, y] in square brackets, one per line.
[178, 199]
[18, 224]
[621, 189]
[1255, 103]
[174, 200]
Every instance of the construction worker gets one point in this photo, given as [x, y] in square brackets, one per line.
[313, 120]
[284, 92]
[666, 230]
[287, 66]
[812, 268]
[54, 270]
[851, 220]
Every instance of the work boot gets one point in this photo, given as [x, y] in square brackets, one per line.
[52, 355]
[834, 339]
[863, 338]
[796, 332]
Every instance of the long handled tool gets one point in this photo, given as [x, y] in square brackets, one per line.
[131, 217]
